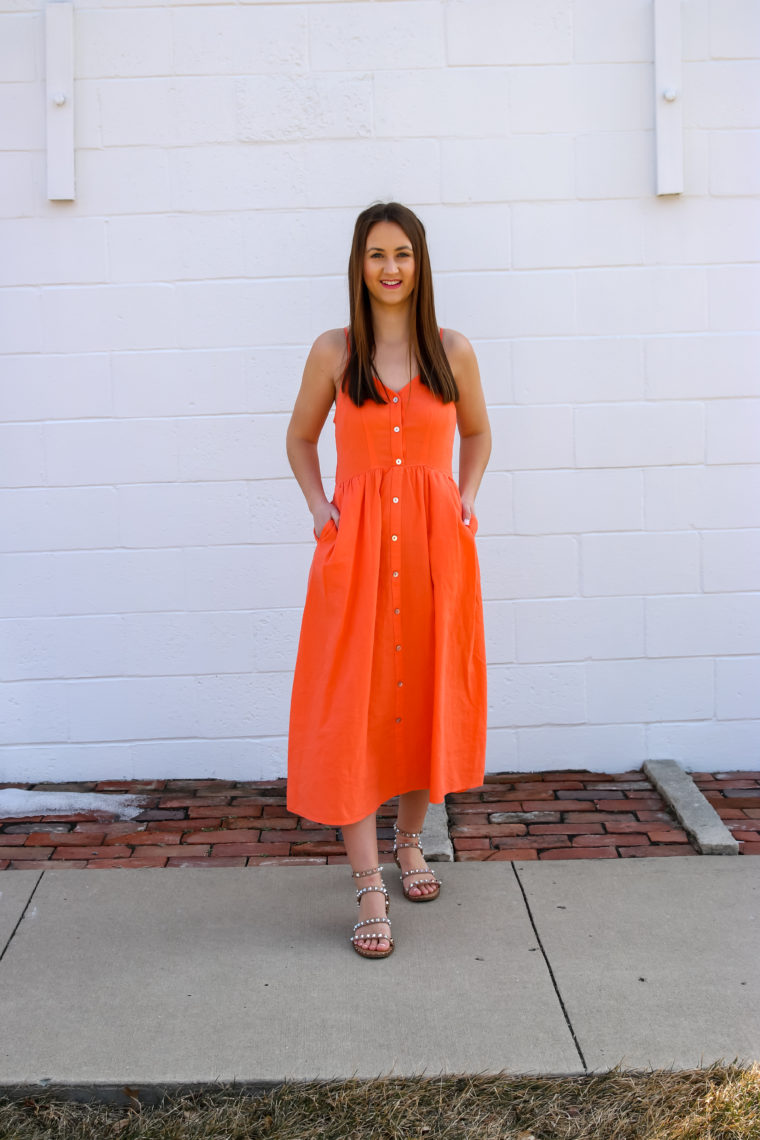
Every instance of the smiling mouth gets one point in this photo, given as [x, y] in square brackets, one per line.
[390, 284]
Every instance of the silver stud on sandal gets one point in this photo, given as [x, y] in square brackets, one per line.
[416, 835]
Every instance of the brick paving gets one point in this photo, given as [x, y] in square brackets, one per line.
[736, 798]
[572, 814]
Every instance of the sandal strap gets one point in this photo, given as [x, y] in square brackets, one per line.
[371, 922]
[408, 834]
[371, 871]
[416, 846]
[365, 890]
[422, 871]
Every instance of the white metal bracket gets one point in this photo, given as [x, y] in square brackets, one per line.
[668, 115]
[59, 95]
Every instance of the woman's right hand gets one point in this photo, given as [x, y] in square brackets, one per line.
[322, 513]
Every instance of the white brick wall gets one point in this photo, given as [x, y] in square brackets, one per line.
[155, 546]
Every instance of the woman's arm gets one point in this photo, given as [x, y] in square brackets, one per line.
[315, 398]
[472, 417]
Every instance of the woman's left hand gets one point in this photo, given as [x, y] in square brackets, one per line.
[468, 507]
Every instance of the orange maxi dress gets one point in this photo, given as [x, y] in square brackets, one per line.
[389, 689]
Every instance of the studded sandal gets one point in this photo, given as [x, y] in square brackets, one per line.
[416, 835]
[371, 921]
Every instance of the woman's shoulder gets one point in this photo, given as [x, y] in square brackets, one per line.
[456, 346]
[329, 350]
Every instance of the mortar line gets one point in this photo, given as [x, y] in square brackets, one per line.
[551, 971]
[21, 916]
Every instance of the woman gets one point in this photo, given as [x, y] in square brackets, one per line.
[389, 691]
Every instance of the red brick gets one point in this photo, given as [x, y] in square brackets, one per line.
[471, 844]
[565, 829]
[160, 814]
[740, 801]
[608, 839]
[228, 861]
[225, 849]
[667, 835]
[4, 863]
[191, 801]
[653, 816]
[18, 840]
[620, 786]
[564, 785]
[265, 801]
[275, 839]
[220, 836]
[749, 848]
[510, 855]
[731, 812]
[309, 823]
[602, 817]
[655, 852]
[462, 797]
[648, 803]
[65, 838]
[136, 786]
[461, 819]
[133, 864]
[84, 852]
[752, 813]
[590, 794]
[284, 823]
[561, 805]
[480, 808]
[11, 852]
[581, 853]
[319, 848]
[472, 856]
[299, 836]
[226, 811]
[269, 810]
[464, 832]
[746, 836]
[266, 850]
[288, 861]
[337, 859]
[138, 838]
[94, 830]
[536, 841]
[101, 817]
[47, 865]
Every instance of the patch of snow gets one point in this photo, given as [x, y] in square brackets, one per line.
[20, 801]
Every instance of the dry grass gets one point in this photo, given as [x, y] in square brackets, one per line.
[720, 1102]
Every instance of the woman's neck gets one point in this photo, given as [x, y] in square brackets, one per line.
[391, 325]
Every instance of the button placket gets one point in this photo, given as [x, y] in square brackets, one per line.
[397, 454]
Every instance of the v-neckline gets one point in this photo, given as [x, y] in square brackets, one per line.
[398, 391]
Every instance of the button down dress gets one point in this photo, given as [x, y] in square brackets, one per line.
[389, 689]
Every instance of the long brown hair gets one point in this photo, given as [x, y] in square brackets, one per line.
[434, 369]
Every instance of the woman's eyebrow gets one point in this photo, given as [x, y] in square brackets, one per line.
[371, 248]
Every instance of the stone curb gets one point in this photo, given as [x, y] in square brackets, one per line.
[697, 816]
[436, 844]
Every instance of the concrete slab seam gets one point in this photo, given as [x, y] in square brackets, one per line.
[695, 813]
[12, 934]
[545, 956]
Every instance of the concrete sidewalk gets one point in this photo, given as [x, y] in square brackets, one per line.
[158, 979]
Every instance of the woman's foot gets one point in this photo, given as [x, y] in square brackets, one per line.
[372, 904]
[409, 858]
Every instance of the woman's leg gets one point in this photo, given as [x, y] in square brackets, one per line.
[360, 840]
[411, 816]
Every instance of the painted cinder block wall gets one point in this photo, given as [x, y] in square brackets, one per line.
[155, 545]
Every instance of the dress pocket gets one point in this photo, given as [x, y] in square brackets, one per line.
[473, 524]
[325, 529]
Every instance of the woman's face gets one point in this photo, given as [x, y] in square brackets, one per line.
[388, 264]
